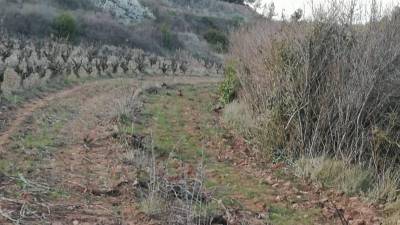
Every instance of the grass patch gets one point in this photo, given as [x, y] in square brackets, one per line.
[392, 213]
[167, 117]
[234, 185]
[152, 205]
[335, 173]
[238, 117]
[47, 125]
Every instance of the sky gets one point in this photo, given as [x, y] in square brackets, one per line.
[287, 7]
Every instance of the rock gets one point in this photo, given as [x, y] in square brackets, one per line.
[287, 184]
[278, 198]
[275, 185]
[127, 11]
[261, 216]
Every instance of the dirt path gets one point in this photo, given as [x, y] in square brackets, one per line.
[27, 109]
[62, 161]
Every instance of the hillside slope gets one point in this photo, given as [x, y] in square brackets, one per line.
[160, 26]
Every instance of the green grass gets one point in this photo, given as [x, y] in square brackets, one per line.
[40, 137]
[166, 122]
[14, 99]
[47, 125]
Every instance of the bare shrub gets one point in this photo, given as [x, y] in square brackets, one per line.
[77, 64]
[164, 67]
[88, 67]
[174, 65]
[141, 62]
[325, 87]
[2, 70]
[153, 60]
[183, 201]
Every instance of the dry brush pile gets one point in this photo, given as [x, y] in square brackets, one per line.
[330, 86]
[26, 63]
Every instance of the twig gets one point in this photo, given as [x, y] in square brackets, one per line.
[5, 215]
[340, 214]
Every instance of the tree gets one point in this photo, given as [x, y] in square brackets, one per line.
[65, 26]
[297, 15]
[269, 11]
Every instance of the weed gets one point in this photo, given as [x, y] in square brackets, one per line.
[229, 87]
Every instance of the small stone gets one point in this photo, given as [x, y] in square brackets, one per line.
[278, 198]
[261, 216]
[75, 222]
[324, 200]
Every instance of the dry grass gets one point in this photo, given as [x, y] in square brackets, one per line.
[334, 173]
[237, 116]
[392, 212]
[387, 187]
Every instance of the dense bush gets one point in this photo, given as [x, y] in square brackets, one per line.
[230, 86]
[27, 24]
[65, 26]
[217, 39]
[325, 87]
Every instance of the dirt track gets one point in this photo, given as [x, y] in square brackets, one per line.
[71, 166]
[73, 172]
[26, 110]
